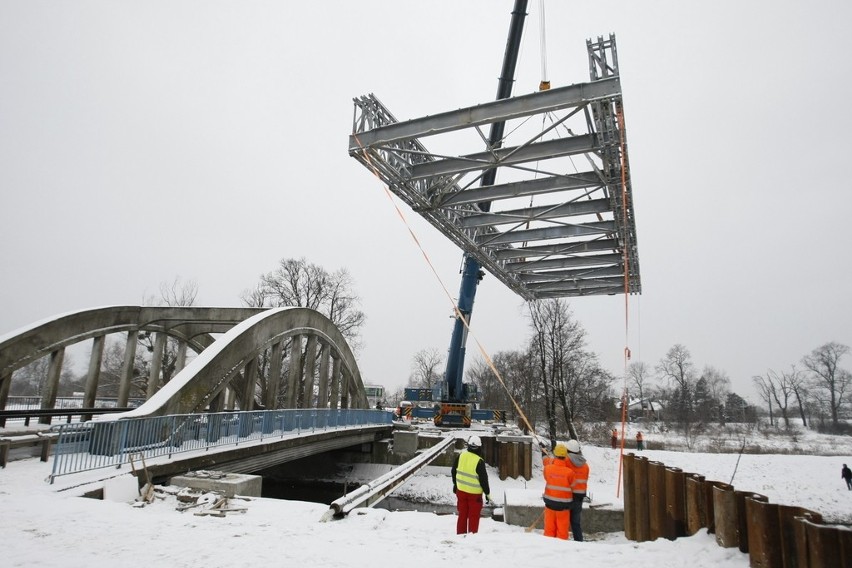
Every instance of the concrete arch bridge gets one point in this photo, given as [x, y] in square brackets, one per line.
[248, 358]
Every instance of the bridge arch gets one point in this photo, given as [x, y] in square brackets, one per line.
[193, 327]
[200, 385]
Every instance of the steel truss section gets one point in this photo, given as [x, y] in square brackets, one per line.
[550, 228]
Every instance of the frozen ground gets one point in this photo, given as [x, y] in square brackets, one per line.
[50, 525]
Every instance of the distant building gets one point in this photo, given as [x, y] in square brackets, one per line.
[375, 396]
[644, 409]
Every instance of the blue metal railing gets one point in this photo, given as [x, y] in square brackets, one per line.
[28, 402]
[94, 445]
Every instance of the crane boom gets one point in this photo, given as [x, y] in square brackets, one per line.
[455, 397]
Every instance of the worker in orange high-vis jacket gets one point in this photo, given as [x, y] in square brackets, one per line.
[470, 483]
[546, 457]
[579, 487]
[558, 497]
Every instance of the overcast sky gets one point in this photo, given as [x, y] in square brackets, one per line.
[146, 141]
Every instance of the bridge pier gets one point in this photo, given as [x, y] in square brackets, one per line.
[273, 383]
[48, 398]
[127, 367]
[5, 383]
[250, 374]
[93, 377]
[335, 381]
[322, 394]
[295, 375]
[156, 364]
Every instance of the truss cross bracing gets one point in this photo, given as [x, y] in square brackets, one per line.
[560, 220]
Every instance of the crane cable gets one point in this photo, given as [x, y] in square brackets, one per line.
[545, 83]
[626, 247]
[456, 310]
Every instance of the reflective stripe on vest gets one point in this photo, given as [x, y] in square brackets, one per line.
[466, 477]
[581, 478]
[558, 478]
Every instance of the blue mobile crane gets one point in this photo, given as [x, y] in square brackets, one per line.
[457, 397]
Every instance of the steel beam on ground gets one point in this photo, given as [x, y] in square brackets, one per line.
[371, 493]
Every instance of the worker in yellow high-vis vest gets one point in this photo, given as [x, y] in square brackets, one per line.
[470, 483]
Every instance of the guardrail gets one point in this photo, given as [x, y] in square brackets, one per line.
[100, 444]
[28, 414]
[24, 401]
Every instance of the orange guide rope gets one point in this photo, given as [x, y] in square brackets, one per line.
[456, 310]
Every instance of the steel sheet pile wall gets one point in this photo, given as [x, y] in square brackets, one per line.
[665, 502]
[512, 456]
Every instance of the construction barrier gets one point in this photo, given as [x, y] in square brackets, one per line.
[665, 502]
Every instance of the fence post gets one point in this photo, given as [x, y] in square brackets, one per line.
[675, 503]
[656, 499]
[696, 515]
[725, 515]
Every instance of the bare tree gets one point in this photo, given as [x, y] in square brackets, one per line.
[296, 282]
[556, 337]
[718, 383]
[764, 388]
[638, 374]
[781, 388]
[254, 297]
[829, 381]
[583, 389]
[424, 368]
[31, 380]
[174, 294]
[798, 383]
[110, 377]
[677, 368]
[519, 385]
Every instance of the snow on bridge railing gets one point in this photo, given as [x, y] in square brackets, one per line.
[99, 444]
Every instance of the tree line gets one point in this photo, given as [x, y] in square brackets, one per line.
[817, 390]
[554, 379]
[559, 384]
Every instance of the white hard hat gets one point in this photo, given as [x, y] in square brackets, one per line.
[474, 442]
[573, 446]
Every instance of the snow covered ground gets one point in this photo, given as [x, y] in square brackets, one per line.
[50, 525]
